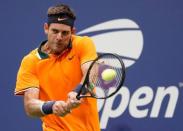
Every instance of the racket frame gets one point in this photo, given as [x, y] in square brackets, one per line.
[86, 83]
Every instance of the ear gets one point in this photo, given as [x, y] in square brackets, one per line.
[46, 27]
[73, 31]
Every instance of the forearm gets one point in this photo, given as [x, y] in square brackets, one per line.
[33, 108]
[32, 104]
[37, 108]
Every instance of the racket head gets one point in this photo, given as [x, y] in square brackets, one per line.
[95, 86]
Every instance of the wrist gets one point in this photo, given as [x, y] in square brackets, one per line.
[46, 107]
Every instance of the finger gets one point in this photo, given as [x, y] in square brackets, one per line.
[66, 108]
[60, 108]
[75, 104]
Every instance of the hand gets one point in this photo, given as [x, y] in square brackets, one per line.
[72, 101]
[61, 108]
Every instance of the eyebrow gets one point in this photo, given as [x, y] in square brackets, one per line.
[54, 29]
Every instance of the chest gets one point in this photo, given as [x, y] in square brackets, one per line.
[61, 70]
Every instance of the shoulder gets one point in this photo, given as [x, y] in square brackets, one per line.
[85, 48]
[32, 56]
[79, 41]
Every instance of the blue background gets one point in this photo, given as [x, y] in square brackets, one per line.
[161, 63]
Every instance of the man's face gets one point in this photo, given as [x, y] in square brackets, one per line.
[59, 36]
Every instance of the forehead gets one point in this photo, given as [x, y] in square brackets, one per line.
[60, 27]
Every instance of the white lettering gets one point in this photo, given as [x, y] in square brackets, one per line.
[137, 101]
[173, 92]
[108, 112]
[142, 97]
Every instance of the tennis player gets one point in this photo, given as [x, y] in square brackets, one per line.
[49, 74]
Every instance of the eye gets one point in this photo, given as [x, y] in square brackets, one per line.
[65, 33]
[55, 31]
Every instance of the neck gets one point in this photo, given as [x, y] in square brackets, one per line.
[45, 48]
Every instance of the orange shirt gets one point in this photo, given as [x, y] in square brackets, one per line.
[55, 76]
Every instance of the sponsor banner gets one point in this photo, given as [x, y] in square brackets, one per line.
[125, 37]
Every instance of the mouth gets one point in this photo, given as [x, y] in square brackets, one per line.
[59, 44]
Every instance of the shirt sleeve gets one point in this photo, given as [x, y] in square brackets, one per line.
[26, 76]
[87, 50]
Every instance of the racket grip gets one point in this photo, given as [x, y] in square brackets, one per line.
[78, 97]
[78, 88]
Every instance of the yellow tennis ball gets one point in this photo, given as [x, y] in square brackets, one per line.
[108, 74]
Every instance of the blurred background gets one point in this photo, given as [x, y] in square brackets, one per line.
[147, 33]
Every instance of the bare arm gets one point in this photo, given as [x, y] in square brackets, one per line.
[33, 106]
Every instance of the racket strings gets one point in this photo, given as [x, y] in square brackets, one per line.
[95, 77]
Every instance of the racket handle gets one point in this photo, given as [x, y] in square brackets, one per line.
[83, 90]
[78, 97]
[78, 88]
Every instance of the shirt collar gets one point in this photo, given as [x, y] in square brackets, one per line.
[44, 55]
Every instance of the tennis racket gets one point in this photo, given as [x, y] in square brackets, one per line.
[94, 85]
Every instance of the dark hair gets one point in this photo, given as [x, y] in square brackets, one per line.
[61, 8]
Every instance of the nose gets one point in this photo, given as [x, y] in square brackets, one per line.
[59, 36]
